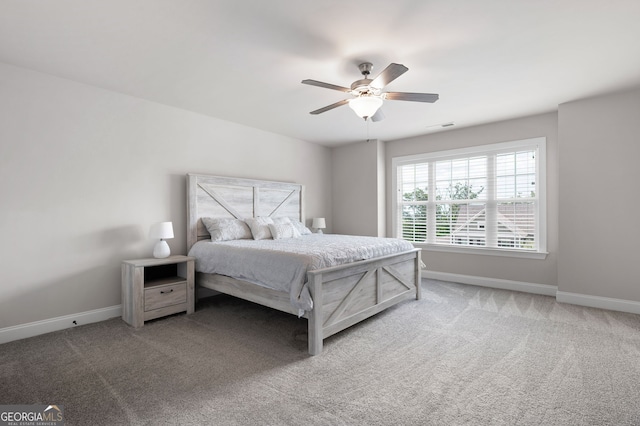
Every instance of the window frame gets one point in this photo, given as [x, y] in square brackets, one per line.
[538, 143]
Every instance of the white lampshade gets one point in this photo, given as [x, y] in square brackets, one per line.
[365, 106]
[319, 224]
[162, 231]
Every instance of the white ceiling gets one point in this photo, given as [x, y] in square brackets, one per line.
[243, 60]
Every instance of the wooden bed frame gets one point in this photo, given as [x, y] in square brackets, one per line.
[342, 295]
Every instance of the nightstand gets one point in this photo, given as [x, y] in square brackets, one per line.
[153, 288]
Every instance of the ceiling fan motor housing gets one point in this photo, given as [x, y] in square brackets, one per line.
[361, 87]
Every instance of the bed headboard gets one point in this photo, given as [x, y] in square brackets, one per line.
[227, 197]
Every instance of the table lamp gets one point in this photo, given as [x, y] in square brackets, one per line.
[162, 231]
[319, 224]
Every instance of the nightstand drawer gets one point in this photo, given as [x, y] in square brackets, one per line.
[167, 295]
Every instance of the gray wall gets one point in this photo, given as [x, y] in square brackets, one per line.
[358, 189]
[506, 268]
[84, 172]
[599, 152]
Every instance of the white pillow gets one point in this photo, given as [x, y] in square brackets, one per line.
[226, 229]
[283, 230]
[282, 219]
[303, 230]
[260, 227]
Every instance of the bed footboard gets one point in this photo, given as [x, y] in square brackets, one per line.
[346, 295]
[342, 295]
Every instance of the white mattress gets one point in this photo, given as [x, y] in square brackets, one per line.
[283, 264]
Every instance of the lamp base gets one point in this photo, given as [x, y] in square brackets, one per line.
[319, 231]
[161, 250]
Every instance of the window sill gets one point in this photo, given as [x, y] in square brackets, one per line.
[483, 251]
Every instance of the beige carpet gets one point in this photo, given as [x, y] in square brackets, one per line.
[462, 355]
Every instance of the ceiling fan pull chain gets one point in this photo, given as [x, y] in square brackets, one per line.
[367, 121]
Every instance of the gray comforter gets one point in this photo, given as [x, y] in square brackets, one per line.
[283, 264]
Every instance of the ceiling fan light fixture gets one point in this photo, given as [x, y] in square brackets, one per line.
[365, 106]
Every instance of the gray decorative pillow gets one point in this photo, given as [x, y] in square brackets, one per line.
[283, 230]
[260, 227]
[226, 229]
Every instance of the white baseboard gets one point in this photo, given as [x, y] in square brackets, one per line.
[608, 303]
[544, 289]
[36, 328]
[621, 305]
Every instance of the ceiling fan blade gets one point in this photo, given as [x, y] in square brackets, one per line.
[378, 116]
[325, 85]
[387, 75]
[329, 107]
[413, 97]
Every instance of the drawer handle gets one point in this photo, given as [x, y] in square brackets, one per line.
[166, 292]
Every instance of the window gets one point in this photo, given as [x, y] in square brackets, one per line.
[487, 197]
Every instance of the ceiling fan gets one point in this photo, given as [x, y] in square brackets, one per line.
[368, 94]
